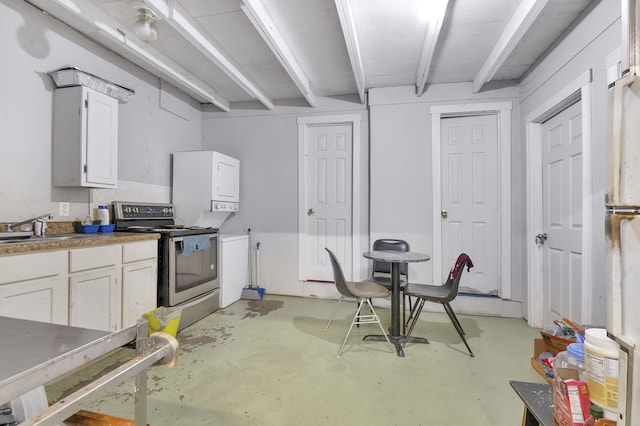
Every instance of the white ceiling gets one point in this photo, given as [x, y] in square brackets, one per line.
[212, 50]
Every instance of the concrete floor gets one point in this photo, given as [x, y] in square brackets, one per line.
[271, 362]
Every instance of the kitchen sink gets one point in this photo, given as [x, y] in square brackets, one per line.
[48, 239]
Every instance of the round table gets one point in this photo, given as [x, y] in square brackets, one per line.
[396, 258]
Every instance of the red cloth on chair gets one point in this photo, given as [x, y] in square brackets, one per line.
[459, 262]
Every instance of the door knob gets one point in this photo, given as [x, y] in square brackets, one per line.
[310, 212]
[444, 213]
[541, 238]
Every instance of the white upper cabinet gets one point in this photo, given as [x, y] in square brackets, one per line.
[85, 138]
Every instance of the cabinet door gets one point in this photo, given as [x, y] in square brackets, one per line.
[85, 138]
[34, 287]
[101, 139]
[94, 300]
[44, 300]
[225, 185]
[139, 290]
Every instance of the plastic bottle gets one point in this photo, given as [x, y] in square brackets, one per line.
[573, 358]
[103, 215]
[596, 413]
[602, 367]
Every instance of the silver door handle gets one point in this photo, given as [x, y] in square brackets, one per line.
[444, 213]
[541, 238]
[310, 212]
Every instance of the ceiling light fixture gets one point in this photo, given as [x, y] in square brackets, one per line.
[145, 25]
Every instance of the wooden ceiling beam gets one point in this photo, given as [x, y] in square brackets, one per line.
[516, 28]
[345, 14]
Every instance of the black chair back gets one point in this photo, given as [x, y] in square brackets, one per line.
[389, 245]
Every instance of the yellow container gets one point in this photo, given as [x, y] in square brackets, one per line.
[166, 320]
[602, 365]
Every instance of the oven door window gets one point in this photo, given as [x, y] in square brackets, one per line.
[195, 264]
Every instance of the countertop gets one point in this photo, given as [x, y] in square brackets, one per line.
[87, 240]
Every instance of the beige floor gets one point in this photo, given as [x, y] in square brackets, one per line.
[271, 362]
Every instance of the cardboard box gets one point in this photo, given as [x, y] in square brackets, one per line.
[558, 343]
[540, 346]
[570, 398]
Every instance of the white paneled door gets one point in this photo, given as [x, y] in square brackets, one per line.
[328, 199]
[470, 198]
[562, 214]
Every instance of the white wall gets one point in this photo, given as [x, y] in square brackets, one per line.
[585, 48]
[401, 153]
[266, 142]
[34, 43]
[401, 176]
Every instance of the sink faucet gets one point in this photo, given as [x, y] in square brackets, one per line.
[9, 227]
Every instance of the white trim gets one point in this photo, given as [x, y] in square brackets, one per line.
[579, 89]
[303, 128]
[503, 112]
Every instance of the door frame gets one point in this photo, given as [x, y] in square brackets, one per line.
[578, 90]
[503, 112]
[304, 123]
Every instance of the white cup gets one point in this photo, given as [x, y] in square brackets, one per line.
[37, 228]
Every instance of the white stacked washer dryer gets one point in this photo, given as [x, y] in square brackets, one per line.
[205, 187]
[206, 190]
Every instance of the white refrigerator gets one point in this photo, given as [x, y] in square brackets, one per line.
[622, 225]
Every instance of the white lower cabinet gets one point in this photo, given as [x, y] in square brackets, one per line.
[233, 267]
[94, 288]
[104, 288]
[94, 299]
[34, 287]
[139, 280]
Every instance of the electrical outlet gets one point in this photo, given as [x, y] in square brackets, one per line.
[64, 209]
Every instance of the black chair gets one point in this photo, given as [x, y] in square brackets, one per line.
[442, 294]
[363, 292]
[381, 271]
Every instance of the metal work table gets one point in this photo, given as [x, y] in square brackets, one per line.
[36, 353]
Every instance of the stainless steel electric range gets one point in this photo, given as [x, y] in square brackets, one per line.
[187, 258]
